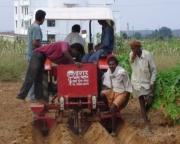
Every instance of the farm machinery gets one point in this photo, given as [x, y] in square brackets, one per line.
[74, 92]
[75, 100]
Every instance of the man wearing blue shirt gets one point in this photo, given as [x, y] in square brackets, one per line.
[34, 40]
[106, 45]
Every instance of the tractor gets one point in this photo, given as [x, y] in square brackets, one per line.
[73, 94]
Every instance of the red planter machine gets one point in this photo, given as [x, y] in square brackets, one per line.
[76, 98]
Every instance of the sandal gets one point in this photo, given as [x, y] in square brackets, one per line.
[113, 134]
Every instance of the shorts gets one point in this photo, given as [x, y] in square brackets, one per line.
[143, 92]
[114, 97]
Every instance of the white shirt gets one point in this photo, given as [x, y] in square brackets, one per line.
[74, 38]
[143, 71]
[118, 80]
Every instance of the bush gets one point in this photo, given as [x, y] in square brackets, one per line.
[13, 64]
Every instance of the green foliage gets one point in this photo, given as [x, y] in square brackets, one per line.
[167, 92]
[160, 34]
[137, 35]
[98, 36]
[124, 62]
[12, 64]
[121, 44]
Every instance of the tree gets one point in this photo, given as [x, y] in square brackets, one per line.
[165, 32]
[137, 35]
[124, 35]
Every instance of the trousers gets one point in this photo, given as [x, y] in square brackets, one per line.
[34, 75]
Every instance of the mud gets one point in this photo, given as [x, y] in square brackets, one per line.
[16, 125]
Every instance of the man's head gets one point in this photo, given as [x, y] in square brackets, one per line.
[77, 49]
[40, 16]
[135, 46]
[113, 63]
[136, 49]
[76, 28]
[102, 22]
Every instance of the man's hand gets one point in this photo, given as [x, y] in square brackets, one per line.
[96, 46]
[91, 51]
[152, 88]
[78, 64]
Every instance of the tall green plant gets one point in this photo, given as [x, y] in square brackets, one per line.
[167, 92]
[12, 54]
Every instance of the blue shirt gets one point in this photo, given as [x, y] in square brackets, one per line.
[107, 38]
[34, 33]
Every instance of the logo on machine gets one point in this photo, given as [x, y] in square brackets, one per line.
[103, 66]
[78, 78]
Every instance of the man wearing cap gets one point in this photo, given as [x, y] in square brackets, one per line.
[142, 78]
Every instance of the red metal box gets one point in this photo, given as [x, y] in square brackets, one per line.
[77, 82]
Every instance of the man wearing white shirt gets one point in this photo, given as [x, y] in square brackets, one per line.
[143, 77]
[119, 89]
[74, 36]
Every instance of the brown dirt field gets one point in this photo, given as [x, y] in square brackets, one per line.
[16, 125]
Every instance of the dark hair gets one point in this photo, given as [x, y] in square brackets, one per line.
[40, 14]
[112, 58]
[79, 48]
[76, 28]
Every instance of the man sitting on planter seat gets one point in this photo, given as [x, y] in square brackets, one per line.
[119, 88]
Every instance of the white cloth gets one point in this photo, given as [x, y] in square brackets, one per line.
[142, 92]
[74, 37]
[143, 71]
[118, 80]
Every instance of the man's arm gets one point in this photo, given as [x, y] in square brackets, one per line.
[66, 53]
[36, 37]
[100, 47]
[152, 68]
[36, 43]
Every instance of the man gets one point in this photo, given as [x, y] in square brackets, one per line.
[106, 45]
[59, 53]
[74, 37]
[117, 80]
[142, 78]
[34, 40]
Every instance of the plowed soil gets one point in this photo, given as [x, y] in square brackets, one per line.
[16, 125]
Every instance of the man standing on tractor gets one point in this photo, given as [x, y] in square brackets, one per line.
[58, 53]
[34, 40]
[106, 45]
[142, 78]
[118, 92]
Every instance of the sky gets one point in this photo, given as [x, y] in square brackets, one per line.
[148, 14]
[140, 14]
[6, 15]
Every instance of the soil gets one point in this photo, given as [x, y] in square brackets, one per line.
[16, 126]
